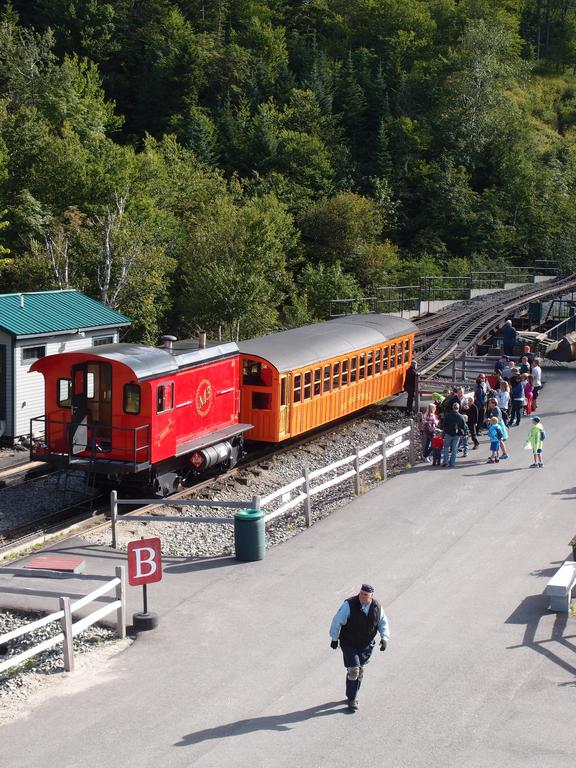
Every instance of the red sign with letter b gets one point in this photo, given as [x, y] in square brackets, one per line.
[144, 562]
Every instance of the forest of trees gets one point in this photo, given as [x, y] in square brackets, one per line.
[234, 164]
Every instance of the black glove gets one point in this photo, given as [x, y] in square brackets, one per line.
[334, 644]
[383, 644]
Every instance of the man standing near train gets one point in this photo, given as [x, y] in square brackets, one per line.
[411, 385]
[356, 623]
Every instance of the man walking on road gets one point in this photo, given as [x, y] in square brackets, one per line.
[356, 624]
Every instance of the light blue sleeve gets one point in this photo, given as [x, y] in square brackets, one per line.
[339, 619]
[384, 626]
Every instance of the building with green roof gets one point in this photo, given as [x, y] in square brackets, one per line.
[33, 325]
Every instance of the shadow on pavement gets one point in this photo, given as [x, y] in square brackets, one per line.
[529, 612]
[272, 723]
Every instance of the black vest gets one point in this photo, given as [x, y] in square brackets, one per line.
[360, 629]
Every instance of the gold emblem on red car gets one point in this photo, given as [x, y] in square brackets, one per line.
[203, 397]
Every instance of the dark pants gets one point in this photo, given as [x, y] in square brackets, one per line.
[535, 397]
[473, 429]
[436, 456]
[355, 658]
[516, 412]
[508, 349]
[481, 416]
[427, 444]
[409, 401]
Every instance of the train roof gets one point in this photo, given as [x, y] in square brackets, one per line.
[150, 362]
[310, 344]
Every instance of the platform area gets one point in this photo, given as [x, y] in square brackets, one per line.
[240, 674]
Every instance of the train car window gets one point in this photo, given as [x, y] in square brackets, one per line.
[407, 350]
[307, 385]
[132, 398]
[164, 397]
[317, 381]
[64, 393]
[262, 401]
[377, 358]
[90, 385]
[353, 369]
[362, 367]
[326, 378]
[344, 372]
[392, 355]
[283, 390]
[252, 373]
[385, 359]
[297, 388]
[369, 363]
[336, 376]
[399, 356]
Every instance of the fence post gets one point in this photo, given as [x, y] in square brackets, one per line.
[66, 623]
[113, 515]
[307, 505]
[357, 470]
[120, 572]
[255, 502]
[417, 395]
[384, 458]
[412, 448]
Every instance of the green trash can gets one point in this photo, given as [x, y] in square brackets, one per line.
[249, 535]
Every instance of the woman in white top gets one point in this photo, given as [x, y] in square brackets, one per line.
[536, 381]
[503, 400]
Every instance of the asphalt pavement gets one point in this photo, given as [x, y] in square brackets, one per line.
[240, 674]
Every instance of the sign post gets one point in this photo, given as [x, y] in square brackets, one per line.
[144, 567]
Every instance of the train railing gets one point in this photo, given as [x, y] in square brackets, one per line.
[71, 628]
[52, 438]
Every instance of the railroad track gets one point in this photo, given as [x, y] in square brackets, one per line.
[463, 331]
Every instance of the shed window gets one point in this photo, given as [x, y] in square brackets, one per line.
[369, 364]
[262, 401]
[344, 372]
[317, 381]
[307, 385]
[326, 378]
[98, 341]
[64, 393]
[335, 376]
[164, 397]
[298, 388]
[132, 398]
[377, 361]
[407, 350]
[353, 367]
[29, 354]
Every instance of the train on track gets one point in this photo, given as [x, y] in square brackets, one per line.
[159, 416]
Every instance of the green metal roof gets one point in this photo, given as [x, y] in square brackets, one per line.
[30, 314]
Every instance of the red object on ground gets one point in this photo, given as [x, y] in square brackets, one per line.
[57, 563]
[144, 561]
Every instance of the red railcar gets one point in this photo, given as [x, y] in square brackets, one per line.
[129, 409]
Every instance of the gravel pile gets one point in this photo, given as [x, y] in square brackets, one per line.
[17, 684]
[22, 504]
[206, 539]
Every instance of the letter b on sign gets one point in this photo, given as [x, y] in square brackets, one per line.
[144, 562]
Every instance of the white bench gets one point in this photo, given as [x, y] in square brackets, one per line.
[559, 588]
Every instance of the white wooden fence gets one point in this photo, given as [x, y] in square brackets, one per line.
[379, 453]
[69, 627]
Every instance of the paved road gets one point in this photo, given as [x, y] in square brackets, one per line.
[478, 673]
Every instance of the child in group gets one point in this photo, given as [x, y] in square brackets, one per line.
[437, 446]
[528, 394]
[495, 436]
[535, 439]
[464, 438]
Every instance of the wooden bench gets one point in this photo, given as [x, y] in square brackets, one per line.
[559, 588]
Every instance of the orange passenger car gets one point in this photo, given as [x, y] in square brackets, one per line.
[298, 380]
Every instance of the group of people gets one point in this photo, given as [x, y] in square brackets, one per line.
[452, 421]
